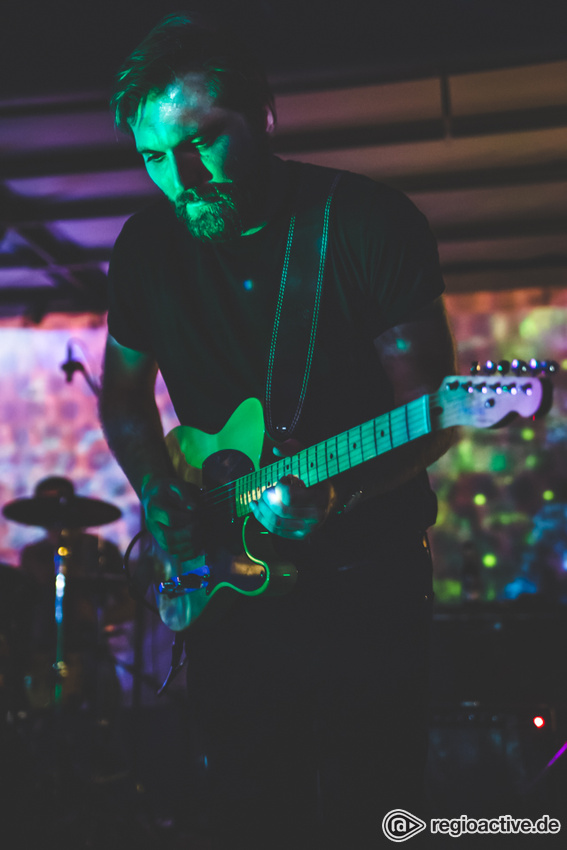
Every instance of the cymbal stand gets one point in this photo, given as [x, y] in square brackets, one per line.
[60, 668]
[60, 785]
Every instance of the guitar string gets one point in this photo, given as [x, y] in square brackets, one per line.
[223, 494]
[219, 496]
[341, 453]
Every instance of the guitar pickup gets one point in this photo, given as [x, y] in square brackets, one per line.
[187, 583]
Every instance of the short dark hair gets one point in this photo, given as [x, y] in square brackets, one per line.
[181, 43]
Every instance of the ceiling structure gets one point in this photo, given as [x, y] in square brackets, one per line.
[478, 141]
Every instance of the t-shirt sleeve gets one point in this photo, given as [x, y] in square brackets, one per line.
[400, 272]
[407, 274]
[126, 307]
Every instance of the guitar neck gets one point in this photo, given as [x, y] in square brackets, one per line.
[339, 454]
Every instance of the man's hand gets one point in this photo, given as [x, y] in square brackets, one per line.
[290, 509]
[171, 516]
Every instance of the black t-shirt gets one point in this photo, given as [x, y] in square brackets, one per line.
[205, 311]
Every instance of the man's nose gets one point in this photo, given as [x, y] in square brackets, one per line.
[188, 171]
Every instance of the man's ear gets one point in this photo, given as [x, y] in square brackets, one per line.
[270, 120]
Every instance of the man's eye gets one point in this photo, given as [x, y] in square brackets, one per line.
[154, 157]
[203, 142]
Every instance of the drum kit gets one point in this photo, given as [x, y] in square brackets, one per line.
[68, 748]
[54, 615]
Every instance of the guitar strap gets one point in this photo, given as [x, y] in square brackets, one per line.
[298, 305]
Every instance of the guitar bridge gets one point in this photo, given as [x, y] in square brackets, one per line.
[187, 583]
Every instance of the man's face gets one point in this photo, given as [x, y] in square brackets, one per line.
[203, 157]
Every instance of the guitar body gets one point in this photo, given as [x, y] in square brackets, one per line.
[237, 557]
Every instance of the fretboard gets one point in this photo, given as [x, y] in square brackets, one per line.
[339, 454]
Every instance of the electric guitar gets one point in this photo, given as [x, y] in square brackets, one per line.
[228, 469]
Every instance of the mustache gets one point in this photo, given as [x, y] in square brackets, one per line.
[206, 196]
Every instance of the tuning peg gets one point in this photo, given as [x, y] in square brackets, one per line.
[488, 368]
[519, 367]
[534, 367]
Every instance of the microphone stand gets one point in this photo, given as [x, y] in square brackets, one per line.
[70, 366]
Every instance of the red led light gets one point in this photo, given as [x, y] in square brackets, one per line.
[538, 721]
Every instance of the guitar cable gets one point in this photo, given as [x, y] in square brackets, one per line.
[138, 593]
[136, 589]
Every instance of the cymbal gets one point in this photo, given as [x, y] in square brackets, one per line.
[60, 512]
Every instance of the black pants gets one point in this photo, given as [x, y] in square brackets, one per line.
[309, 711]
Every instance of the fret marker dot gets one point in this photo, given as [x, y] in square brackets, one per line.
[381, 433]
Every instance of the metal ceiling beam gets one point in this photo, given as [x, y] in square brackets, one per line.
[482, 178]
[420, 131]
[50, 249]
[52, 163]
[544, 263]
[81, 285]
[511, 121]
[463, 232]
[55, 105]
[48, 211]
[331, 138]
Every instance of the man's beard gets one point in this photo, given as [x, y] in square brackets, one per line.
[222, 215]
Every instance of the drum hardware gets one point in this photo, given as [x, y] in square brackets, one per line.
[60, 668]
[64, 516]
[62, 732]
[63, 512]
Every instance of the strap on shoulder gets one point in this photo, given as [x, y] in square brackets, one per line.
[298, 306]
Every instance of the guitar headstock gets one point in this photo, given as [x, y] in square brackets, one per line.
[486, 401]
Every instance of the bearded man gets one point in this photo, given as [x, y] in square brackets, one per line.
[320, 294]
